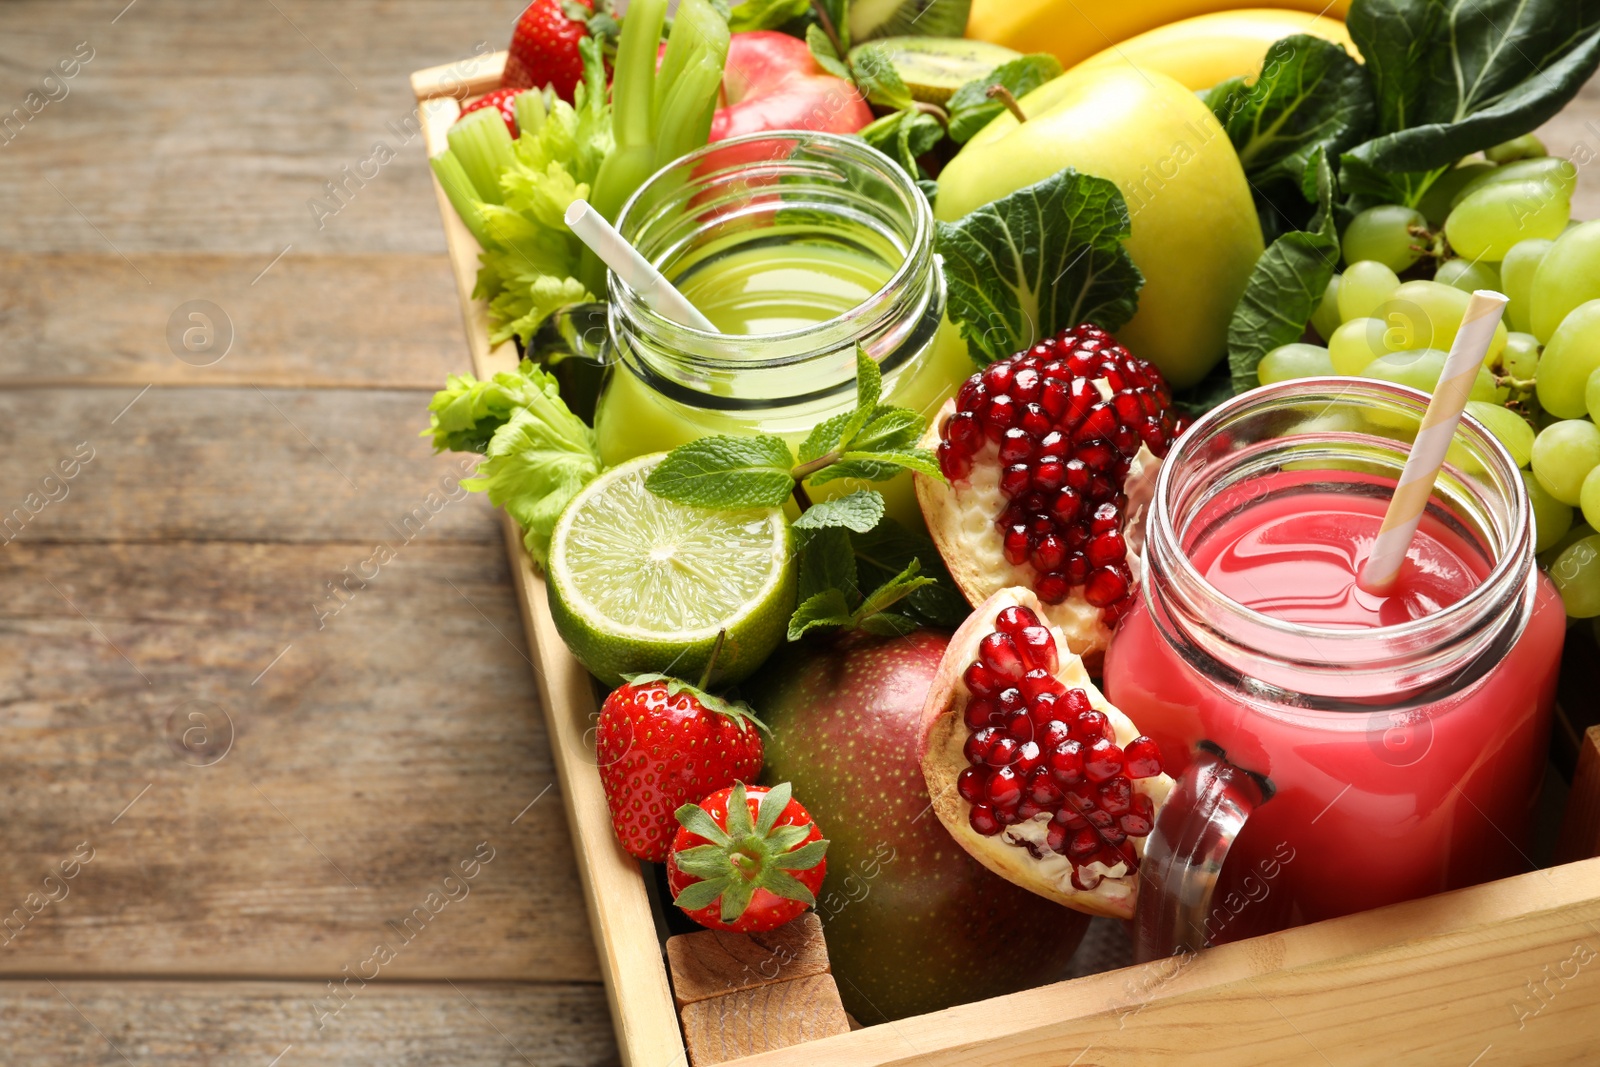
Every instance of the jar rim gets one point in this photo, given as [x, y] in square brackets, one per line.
[1492, 585]
[708, 351]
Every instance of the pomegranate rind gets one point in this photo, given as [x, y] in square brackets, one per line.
[944, 734]
[961, 519]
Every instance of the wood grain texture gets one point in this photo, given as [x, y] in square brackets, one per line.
[247, 1024]
[715, 963]
[767, 1017]
[230, 464]
[319, 798]
[1575, 135]
[1580, 829]
[1442, 980]
[366, 321]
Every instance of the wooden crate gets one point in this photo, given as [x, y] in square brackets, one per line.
[1504, 973]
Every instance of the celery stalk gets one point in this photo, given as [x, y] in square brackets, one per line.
[481, 143]
[459, 189]
[687, 90]
[530, 110]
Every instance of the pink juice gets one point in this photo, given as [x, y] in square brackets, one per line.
[1369, 808]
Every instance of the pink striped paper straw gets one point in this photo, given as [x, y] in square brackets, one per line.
[1411, 495]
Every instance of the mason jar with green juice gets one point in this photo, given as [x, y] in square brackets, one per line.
[797, 248]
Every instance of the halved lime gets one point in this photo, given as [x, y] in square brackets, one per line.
[640, 584]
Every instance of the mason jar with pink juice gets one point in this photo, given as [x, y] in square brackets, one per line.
[1335, 751]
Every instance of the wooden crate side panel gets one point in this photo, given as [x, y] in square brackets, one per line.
[618, 904]
[462, 79]
[1509, 972]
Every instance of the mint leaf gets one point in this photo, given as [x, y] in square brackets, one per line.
[1047, 257]
[888, 429]
[888, 549]
[859, 511]
[892, 592]
[726, 472]
[880, 466]
[823, 52]
[888, 624]
[1453, 78]
[826, 609]
[869, 381]
[970, 107]
[765, 14]
[1285, 287]
[827, 436]
[1310, 93]
[826, 561]
[536, 461]
[878, 80]
[836, 433]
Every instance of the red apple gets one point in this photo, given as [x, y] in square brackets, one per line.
[771, 82]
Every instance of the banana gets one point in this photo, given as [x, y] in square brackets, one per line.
[1074, 30]
[1200, 52]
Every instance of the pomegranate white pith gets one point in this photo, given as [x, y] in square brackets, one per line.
[1086, 787]
[1050, 458]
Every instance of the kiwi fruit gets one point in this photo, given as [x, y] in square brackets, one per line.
[935, 67]
[919, 18]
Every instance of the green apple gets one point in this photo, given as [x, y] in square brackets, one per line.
[1196, 236]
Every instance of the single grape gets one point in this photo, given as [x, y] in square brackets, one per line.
[1326, 318]
[1567, 362]
[1563, 455]
[1568, 275]
[1525, 147]
[1421, 370]
[1355, 344]
[1428, 315]
[1576, 574]
[1551, 518]
[1485, 224]
[1591, 394]
[1589, 497]
[1383, 234]
[1556, 175]
[1363, 287]
[1520, 359]
[1509, 428]
[1435, 203]
[1467, 276]
[1294, 361]
[1575, 533]
[1517, 272]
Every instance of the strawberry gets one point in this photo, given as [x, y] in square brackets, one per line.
[544, 47]
[730, 863]
[503, 99]
[662, 743]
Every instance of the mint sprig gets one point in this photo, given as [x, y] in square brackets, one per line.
[873, 442]
[837, 563]
[830, 608]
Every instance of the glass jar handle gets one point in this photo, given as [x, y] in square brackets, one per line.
[1184, 853]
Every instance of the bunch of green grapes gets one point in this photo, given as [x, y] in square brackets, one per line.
[1498, 223]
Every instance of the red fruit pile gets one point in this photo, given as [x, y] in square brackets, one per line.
[544, 47]
[503, 101]
[1036, 746]
[1063, 420]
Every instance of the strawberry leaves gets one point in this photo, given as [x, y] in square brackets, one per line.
[745, 854]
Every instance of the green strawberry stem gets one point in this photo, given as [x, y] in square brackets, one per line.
[482, 145]
[746, 856]
[711, 660]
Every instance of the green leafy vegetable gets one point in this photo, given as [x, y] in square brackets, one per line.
[971, 108]
[1285, 287]
[1047, 257]
[905, 135]
[1310, 94]
[538, 454]
[1454, 77]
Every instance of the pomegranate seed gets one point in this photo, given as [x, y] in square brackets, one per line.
[1106, 519]
[1003, 788]
[1050, 474]
[1065, 760]
[1141, 820]
[973, 394]
[982, 819]
[999, 652]
[1070, 819]
[1038, 648]
[1078, 475]
[999, 376]
[981, 681]
[1006, 816]
[1042, 708]
[1116, 796]
[1016, 446]
[1029, 758]
[1019, 726]
[1068, 503]
[1035, 423]
[1037, 683]
[1014, 619]
[1075, 702]
[1015, 480]
[963, 431]
[1112, 614]
[1027, 809]
[1104, 759]
[1143, 758]
[969, 783]
[1051, 734]
[1076, 569]
[978, 745]
[1025, 385]
[1092, 725]
[1041, 787]
[953, 463]
[1003, 750]
[1009, 700]
[979, 713]
[1016, 545]
[1052, 588]
[1085, 843]
[1104, 586]
[1100, 820]
[1055, 838]
[998, 415]
[1106, 548]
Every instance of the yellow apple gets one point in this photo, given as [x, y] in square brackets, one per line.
[1195, 237]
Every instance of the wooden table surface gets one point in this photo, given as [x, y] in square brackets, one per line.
[264, 701]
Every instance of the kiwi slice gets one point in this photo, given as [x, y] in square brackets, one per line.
[918, 18]
[935, 67]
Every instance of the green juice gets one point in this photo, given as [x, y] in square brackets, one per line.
[769, 289]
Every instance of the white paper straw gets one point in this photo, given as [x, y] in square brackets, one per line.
[639, 273]
[1411, 494]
